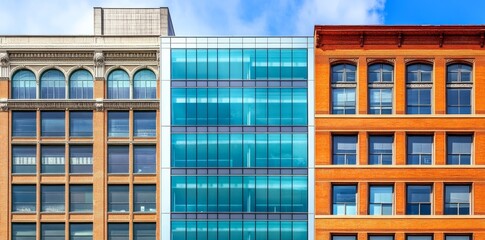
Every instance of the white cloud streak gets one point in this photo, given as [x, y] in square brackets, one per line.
[194, 17]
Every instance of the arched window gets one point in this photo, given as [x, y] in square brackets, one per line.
[380, 78]
[419, 83]
[343, 88]
[52, 85]
[118, 85]
[23, 85]
[459, 88]
[81, 85]
[144, 85]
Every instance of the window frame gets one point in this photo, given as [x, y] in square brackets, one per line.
[83, 82]
[421, 156]
[345, 204]
[114, 92]
[43, 81]
[380, 155]
[392, 204]
[431, 195]
[25, 90]
[460, 86]
[445, 203]
[346, 156]
[344, 84]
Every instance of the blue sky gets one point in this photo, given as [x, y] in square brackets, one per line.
[239, 17]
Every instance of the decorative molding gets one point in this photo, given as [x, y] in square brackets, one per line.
[344, 85]
[381, 85]
[143, 56]
[99, 65]
[50, 55]
[100, 105]
[390, 60]
[419, 85]
[333, 60]
[468, 60]
[407, 60]
[3, 105]
[4, 59]
[459, 85]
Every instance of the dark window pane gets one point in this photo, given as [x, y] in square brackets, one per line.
[81, 124]
[81, 198]
[144, 198]
[118, 124]
[118, 85]
[418, 200]
[145, 159]
[52, 124]
[344, 149]
[23, 231]
[380, 149]
[343, 73]
[144, 231]
[118, 198]
[144, 85]
[81, 85]
[24, 85]
[81, 231]
[118, 231]
[23, 198]
[52, 198]
[53, 159]
[419, 150]
[118, 158]
[52, 85]
[23, 159]
[457, 199]
[52, 231]
[145, 124]
[24, 124]
[459, 149]
[81, 159]
[344, 200]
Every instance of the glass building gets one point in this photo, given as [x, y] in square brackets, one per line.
[235, 126]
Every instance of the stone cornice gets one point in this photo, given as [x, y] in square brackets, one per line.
[91, 55]
[98, 105]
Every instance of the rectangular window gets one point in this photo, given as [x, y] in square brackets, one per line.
[118, 231]
[420, 150]
[81, 198]
[52, 198]
[344, 200]
[52, 124]
[23, 231]
[381, 237]
[81, 159]
[53, 159]
[380, 200]
[118, 198]
[179, 64]
[344, 150]
[458, 237]
[419, 237]
[344, 237]
[24, 124]
[457, 200]
[81, 231]
[118, 124]
[145, 123]
[418, 101]
[458, 101]
[23, 159]
[459, 150]
[81, 124]
[343, 100]
[23, 198]
[380, 101]
[118, 159]
[144, 231]
[145, 159]
[380, 150]
[52, 231]
[145, 198]
[418, 200]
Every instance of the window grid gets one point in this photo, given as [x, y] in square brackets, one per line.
[344, 149]
[459, 89]
[81, 85]
[343, 89]
[457, 199]
[344, 199]
[418, 199]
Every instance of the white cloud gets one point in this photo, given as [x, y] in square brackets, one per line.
[194, 17]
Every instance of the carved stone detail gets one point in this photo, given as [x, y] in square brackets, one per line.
[50, 55]
[354, 60]
[99, 62]
[3, 105]
[391, 60]
[100, 105]
[4, 59]
[469, 60]
[431, 60]
[98, 59]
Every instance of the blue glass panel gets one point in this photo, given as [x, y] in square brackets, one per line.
[249, 106]
[249, 230]
[261, 64]
[274, 62]
[52, 124]
[274, 230]
[286, 194]
[178, 106]
[286, 106]
[178, 150]
[249, 151]
[202, 230]
[144, 85]
[236, 106]
[202, 196]
[236, 64]
[223, 233]
[236, 150]
[191, 64]
[118, 85]
[286, 151]
[23, 85]
[212, 159]
[236, 230]
[81, 231]
[81, 85]
[24, 124]
[300, 67]
[191, 106]
[286, 64]
[201, 150]
[223, 150]
[223, 104]
[212, 197]
[261, 111]
[274, 106]
[223, 194]
[178, 230]
[145, 123]
[52, 85]
[249, 64]
[274, 150]
[81, 124]
[223, 64]
[249, 203]
[212, 106]
[261, 194]
[300, 150]
[274, 193]
[118, 124]
[178, 64]
[261, 150]
[286, 232]
[201, 106]
[179, 198]
[191, 150]
[299, 107]
[201, 64]
[212, 64]
[191, 193]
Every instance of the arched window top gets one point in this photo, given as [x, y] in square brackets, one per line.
[459, 72]
[52, 85]
[81, 75]
[419, 72]
[380, 72]
[144, 84]
[118, 75]
[144, 75]
[23, 84]
[343, 72]
[81, 85]
[118, 85]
